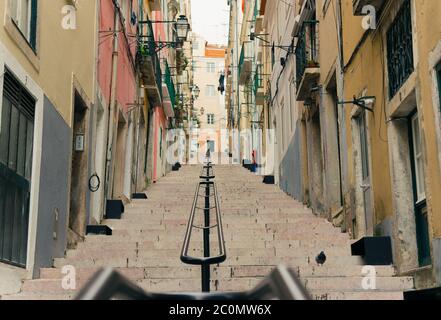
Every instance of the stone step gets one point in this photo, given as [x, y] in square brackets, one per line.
[197, 251]
[321, 228]
[218, 272]
[263, 228]
[233, 248]
[122, 262]
[38, 297]
[356, 283]
[348, 295]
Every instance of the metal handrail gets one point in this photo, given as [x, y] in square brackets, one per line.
[281, 284]
[185, 257]
[207, 175]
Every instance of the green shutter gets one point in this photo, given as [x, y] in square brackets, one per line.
[33, 25]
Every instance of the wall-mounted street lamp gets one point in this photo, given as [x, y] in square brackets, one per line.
[182, 28]
[363, 102]
[196, 92]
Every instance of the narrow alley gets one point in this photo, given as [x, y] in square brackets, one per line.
[320, 121]
[263, 228]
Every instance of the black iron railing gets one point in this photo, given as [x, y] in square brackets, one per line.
[306, 50]
[400, 59]
[210, 203]
[147, 48]
[280, 284]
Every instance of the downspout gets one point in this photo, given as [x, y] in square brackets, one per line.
[340, 111]
[112, 106]
[239, 106]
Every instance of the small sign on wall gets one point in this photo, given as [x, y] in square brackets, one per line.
[79, 142]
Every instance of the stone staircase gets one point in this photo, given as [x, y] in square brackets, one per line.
[263, 228]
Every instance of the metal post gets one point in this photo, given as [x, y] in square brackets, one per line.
[206, 268]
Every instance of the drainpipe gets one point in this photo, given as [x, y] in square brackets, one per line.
[237, 54]
[112, 106]
[340, 111]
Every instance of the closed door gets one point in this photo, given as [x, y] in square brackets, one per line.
[16, 146]
[210, 146]
[365, 186]
[419, 192]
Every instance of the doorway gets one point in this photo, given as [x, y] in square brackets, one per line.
[79, 172]
[316, 161]
[365, 186]
[211, 146]
[419, 190]
[16, 147]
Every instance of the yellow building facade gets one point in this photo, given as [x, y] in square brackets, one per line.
[365, 149]
[392, 148]
[48, 53]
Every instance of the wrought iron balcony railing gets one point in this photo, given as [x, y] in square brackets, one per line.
[307, 54]
[400, 60]
[245, 63]
[170, 85]
[147, 52]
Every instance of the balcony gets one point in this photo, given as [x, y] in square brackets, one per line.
[168, 93]
[358, 5]
[258, 89]
[245, 63]
[149, 64]
[307, 60]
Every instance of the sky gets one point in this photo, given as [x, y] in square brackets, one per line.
[210, 20]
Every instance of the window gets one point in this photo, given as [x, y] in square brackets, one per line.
[24, 15]
[210, 118]
[400, 49]
[418, 159]
[210, 91]
[211, 67]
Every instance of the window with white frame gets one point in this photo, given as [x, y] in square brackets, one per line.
[418, 158]
[211, 67]
[210, 118]
[24, 15]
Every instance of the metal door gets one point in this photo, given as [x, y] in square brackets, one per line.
[16, 140]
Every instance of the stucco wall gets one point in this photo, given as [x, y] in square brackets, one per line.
[126, 81]
[54, 188]
[291, 169]
[60, 52]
